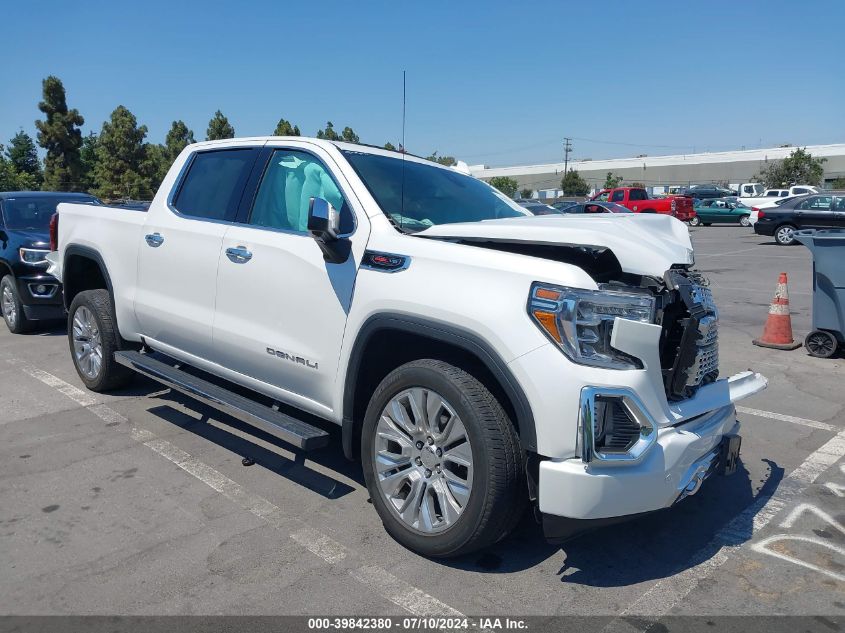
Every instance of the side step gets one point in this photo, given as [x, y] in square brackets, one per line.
[276, 423]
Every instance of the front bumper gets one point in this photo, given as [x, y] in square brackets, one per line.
[674, 467]
[40, 304]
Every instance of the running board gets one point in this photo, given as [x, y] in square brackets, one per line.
[287, 428]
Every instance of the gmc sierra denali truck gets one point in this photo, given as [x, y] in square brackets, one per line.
[476, 357]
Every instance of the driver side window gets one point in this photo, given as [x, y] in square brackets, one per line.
[618, 196]
[290, 180]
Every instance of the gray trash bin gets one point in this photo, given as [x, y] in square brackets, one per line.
[828, 249]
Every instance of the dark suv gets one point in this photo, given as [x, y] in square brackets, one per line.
[27, 293]
[816, 211]
[704, 192]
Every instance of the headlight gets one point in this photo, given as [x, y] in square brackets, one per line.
[33, 255]
[580, 322]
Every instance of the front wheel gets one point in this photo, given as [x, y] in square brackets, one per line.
[10, 303]
[694, 221]
[821, 344]
[785, 235]
[442, 461]
[93, 338]
[745, 221]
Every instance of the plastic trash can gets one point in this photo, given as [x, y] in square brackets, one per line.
[828, 249]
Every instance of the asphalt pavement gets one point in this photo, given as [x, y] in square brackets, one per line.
[139, 503]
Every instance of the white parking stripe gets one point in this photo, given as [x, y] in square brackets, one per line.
[665, 594]
[400, 593]
[788, 418]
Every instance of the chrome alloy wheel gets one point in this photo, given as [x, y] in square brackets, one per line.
[785, 235]
[423, 460]
[10, 308]
[87, 344]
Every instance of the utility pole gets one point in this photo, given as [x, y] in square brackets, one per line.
[567, 149]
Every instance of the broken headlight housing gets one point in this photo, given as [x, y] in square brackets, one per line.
[580, 322]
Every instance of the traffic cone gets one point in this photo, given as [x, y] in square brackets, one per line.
[777, 333]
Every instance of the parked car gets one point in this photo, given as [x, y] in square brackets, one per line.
[721, 211]
[597, 207]
[562, 205]
[818, 211]
[537, 208]
[28, 295]
[638, 201]
[705, 192]
[748, 189]
[772, 203]
[770, 194]
[462, 346]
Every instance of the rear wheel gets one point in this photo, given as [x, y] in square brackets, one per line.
[10, 303]
[93, 338]
[442, 461]
[785, 235]
[694, 221]
[745, 221]
[821, 344]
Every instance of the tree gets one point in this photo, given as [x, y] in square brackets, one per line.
[123, 168]
[839, 183]
[449, 161]
[573, 185]
[798, 168]
[24, 159]
[177, 139]
[156, 164]
[612, 181]
[285, 128]
[9, 180]
[88, 158]
[60, 135]
[390, 146]
[348, 135]
[219, 127]
[507, 186]
[329, 134]
[526, 193]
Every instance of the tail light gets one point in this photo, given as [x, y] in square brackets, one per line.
[54, 232]
[760, 214]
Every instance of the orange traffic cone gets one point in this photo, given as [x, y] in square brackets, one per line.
[777, 333]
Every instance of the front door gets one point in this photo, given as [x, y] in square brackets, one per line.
[817, 212]
[281, 308]
[177, 264]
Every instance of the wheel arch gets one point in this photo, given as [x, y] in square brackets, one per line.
[378, 339]
[84, 269]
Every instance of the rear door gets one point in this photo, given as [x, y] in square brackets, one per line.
[177, 263]
[281, 308]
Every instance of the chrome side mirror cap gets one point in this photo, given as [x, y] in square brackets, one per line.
[323, 220]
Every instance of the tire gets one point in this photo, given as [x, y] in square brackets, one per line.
[784, 235]
[91, 327]
[744, 220]
[448, 519]
[821, 344]
[694, 221]
[12, 308]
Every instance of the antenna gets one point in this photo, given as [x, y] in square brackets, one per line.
[404, 149]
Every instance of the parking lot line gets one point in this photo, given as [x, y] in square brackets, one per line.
[374, 578]
[788, 418]
[666, 593]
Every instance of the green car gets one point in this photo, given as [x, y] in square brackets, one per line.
[721, 210]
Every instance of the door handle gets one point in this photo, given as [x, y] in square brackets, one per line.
[239, 255]
[154, 239]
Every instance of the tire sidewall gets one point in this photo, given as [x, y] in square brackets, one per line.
[777, 232]
[745, 220]
[695, 222]
[19, 326]
[450, 540]
[83, 299]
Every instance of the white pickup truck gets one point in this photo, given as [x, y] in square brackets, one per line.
[771, 195]
[476, 357]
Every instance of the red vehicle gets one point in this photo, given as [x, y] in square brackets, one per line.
[638, 201]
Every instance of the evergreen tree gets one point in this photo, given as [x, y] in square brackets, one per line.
[177, 139]
[8, 175]
[88, 157]
[24, 159]
[329, 134]
[390, 146]
[59, 134]
[285, 128]
[156, 164]
[348, 135]
[449, 161]
[122, 168]
[219, 127]
[573, 185]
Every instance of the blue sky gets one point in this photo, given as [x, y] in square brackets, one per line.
[489, 82]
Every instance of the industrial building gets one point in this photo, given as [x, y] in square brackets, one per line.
[659, 172]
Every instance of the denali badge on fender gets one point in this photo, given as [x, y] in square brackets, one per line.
[292, 358]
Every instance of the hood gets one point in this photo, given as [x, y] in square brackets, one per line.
[29, 238]
[644, 244]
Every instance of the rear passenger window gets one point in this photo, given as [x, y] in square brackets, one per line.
[215, 181]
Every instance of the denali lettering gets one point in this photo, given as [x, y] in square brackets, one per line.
[294, 359]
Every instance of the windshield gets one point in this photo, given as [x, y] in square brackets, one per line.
[33, 213]
[427, 195]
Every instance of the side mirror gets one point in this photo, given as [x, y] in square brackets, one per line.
[323, 220]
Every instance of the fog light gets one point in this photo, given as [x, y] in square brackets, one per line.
[41, 289]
